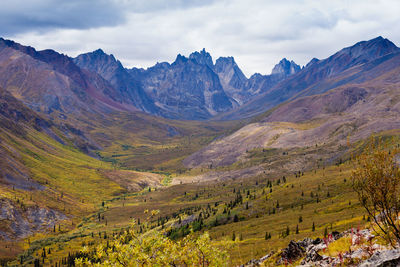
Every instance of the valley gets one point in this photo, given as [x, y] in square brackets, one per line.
[87, 146]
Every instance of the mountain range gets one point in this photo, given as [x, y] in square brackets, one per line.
[94, 89]
[82, 130]
[349, 65]
[332, 103]
[191, 87]
[188, 88]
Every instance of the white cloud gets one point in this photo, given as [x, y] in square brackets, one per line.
[257, 33]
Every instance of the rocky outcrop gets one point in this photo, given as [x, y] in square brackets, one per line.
[310, 252]
[386, 258]
[19, 221]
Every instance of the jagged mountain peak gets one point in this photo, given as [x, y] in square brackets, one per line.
[202, 57]
[99, 55]
[99, 51]
[112, 71]
[286, 67]
[160, 65]
[180, 59]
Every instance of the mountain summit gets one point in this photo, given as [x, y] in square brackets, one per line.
[202, 57]
[349, 65]
[367, 50]
[193, 87]
[286, 68]
[112, 70]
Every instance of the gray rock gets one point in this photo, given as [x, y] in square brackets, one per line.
[26, 220]
[385, 258]
[294, 251]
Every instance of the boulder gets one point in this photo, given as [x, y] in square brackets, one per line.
[386, 258]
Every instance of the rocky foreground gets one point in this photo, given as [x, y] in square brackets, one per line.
[351, 248]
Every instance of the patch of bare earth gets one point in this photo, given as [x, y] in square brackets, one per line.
[134, 181]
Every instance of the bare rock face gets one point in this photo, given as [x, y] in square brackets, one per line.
[188, 88]
[19, 221]
[232, 79]
[202, 58]
[241, 89]
[285, 68]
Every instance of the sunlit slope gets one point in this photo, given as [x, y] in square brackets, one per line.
[330, 120]
[269, 204]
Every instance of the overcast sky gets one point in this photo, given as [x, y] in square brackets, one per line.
[257, 33]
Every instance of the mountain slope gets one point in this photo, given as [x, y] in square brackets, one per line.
[185, 89]
[320, 76]
[232, 78]
[48, 81]
[348, 113]
[39, 161]
[112, 70]
[285, 68]
[189, 88]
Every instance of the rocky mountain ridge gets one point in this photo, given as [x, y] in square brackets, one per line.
[192, 87]
[344, 67]
[189, 88]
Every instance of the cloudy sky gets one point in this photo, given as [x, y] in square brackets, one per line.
[258, 33]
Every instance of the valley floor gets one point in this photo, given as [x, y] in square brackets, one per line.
[269, 205]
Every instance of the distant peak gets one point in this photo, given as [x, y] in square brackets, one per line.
[286, 67]
[312, 61]
[226, 59]
[375, 47]
[377, 40]
[100, 54]
[98, 51]
[224, 63]
[228, 66]
[180, 59]
[202, 57]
